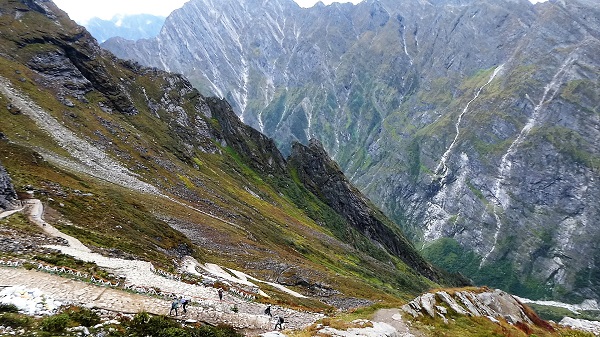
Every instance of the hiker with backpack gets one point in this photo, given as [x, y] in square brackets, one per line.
[268, 311]
[279, 323]
[184, 303]
[174, 306]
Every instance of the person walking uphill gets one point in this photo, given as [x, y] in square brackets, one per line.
[279, 323]
[184, 303]
[174, 306]
[220, 291]
[268, 311]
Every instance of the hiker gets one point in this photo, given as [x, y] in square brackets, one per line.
[174, 306]
[268, 311]
[220, 291]
[279, 323]
[184, 302]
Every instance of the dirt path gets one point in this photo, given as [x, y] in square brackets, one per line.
[35, 210]
[393, 317]
[9, 213]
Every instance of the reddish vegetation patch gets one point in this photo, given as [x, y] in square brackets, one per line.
[524, 327]
[536, 319]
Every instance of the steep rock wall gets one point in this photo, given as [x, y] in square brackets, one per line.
[7, 191]
[471, 123]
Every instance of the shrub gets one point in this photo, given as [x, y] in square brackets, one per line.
[56, 323]
[143, 324]
[14, 320]
[8, 308]
[205, 331]
[576, 333]
[174, 332]
[223, 330]
[28, 265]
[83, 316]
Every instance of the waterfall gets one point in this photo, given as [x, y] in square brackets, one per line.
[501, 198]
[441, 168]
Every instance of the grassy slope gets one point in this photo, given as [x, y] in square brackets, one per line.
[269, 228]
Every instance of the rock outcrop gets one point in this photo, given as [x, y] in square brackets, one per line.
[76, 63]
[7, 191]
[323, 177]
[581, 324]
[493, 304]
[259, 150]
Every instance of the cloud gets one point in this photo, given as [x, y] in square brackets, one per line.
[82, 11]
[310, 3]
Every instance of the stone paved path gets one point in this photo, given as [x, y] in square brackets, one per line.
[205, 305]
[68, 290]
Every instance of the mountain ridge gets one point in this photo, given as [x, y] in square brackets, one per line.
[473, 121]
[130, 27]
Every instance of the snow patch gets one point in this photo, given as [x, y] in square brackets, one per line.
[32, 302]
[581, 324]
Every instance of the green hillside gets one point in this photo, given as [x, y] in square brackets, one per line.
[169, 172]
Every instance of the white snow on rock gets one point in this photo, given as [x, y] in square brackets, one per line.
[220, 272]
[589, 304]
[272, 334]
[237, 276]
[31, 302]
[245, 277]
[581, 324]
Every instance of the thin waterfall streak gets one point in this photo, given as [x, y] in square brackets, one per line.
[500, 200]
[441, 167]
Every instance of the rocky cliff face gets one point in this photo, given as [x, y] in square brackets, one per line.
[474, 124]
[323, 177]
[259, 150]
[7, 191]
[144, 165]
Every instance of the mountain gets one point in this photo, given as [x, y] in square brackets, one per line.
[131, 27]
[472, 124]
[135, 163]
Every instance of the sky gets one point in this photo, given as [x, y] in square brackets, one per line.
[83, 10]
